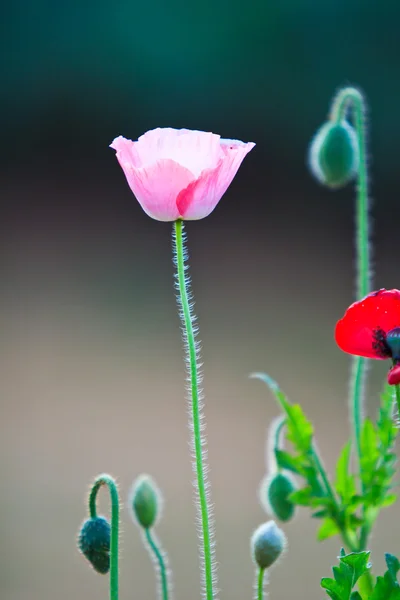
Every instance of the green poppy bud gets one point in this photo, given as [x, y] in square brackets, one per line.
[145, 500]
[267, 544]
[334, 155]
[94, 543]
[275, 492]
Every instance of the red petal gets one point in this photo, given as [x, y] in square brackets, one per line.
[394, 375]
[379, 310]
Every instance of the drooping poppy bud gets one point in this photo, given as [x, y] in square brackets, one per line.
[145, 500]
[267, 544]
[275, 492]
[94, 543]
[334, 154]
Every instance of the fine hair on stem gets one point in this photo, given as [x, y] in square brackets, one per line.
[189, 329]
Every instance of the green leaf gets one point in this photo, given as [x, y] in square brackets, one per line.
[389, 500]
[369, 450]
[327, 529]
[287, 461]
[320, 514]
[359, 563]
[378, 458]
[333, 589]
[299, 429]
[355, 596]
[393, 566]
[302, 497]
[351, 567]
[385, 589]
[345, 482]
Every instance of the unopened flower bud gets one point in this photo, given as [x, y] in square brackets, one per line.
[267, 544]
[145, 500]
[334, 155]
[94, 543]
[275, 492]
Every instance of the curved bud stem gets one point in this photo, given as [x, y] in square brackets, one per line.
[107, 480]
[159, 557]
[274, 443]
[279, 425]
[198, 441]
[346, 99]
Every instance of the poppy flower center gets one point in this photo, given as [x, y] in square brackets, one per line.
[393, 342]
[380, 343]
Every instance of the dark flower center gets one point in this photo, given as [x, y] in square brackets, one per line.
[380, 343]
[393, 342]
[387, 345]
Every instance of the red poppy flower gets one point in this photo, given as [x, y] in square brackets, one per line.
[371, 328]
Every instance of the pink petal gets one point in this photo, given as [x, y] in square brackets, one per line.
[200, 198]
[126, 152]
[195, 150]
[157, 186]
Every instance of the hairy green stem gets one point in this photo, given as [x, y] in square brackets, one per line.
[397, 389]
[345, 99]
[187, 318]
[107, 480]
[260, 584]
[351, 98]
[160, 561]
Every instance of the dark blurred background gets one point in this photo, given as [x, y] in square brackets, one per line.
[91, 368]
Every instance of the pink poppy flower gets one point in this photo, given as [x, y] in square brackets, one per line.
[178, 173]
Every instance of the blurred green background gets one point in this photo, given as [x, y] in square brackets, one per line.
[91, 369]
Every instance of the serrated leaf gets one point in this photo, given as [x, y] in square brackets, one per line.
[378, 458]
[345, 482]
[358, 561]
[302, 497]
[351, 567]
[333, 589]
[299, 429]
[327, 529]
[287, 461]
[369, 449]
[393, 566]
[320, 514]
[389, 500]
[385, 589]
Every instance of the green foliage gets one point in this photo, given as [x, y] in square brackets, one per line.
[387, 587]
[350, 506]
[378, 458]
[302, 459]
[351, 568]
[345, 576]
